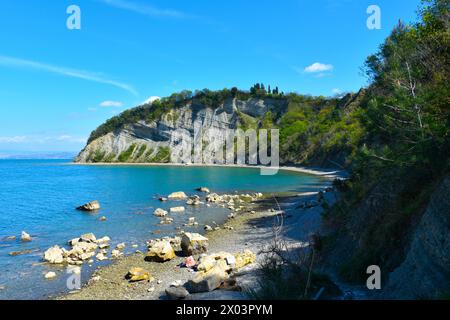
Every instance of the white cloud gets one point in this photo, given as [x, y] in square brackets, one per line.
[73, 73]
[152, 99]
[145, 9]
[318, 67]
[42, 139]
[16, 139]
[111, 104]
[69, 138]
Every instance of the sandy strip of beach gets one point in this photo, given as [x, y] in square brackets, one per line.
[323, 172]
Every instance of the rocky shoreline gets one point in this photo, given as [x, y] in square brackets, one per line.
[222, 264]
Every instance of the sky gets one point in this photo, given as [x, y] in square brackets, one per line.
[58, 84]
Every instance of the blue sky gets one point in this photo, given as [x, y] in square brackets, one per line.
[57, 85]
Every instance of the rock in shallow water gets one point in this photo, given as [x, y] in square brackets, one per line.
[177, 210]
[180, 195]
[160, 213]
[25, 237]
[54, 255]
[50, 275]
[91, 206]
[203, 189]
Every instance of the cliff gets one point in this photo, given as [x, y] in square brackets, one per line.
[150, 141]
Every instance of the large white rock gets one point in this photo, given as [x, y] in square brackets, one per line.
[91, 206]
[160, 251]
[54, 255]
[25, 237]
[88, 237]
[177, 210]
[160, 213]
[193, 243]
[50, 275]
[180, 195]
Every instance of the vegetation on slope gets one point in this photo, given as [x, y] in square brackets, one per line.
[405, 121]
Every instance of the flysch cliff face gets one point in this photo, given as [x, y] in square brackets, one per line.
[144, 142]
[425, 272]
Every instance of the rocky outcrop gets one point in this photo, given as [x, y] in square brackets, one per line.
[151, 141]
[91, 206]
[425, 272]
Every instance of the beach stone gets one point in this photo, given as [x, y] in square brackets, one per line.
[138, 274]
[177, 293]
[177, 210]
[25, 237]
[203, 189]
[180, 195]
[209, 280]
[176, 283]
[160, 251]
[50, 275]
[244, 258]
[86, 256]
[116, 254]
[91, 206]
[74, 241]
[166, 220]
[101, 256]
[193, 243]
[73, 270]
[103, 242]
[208, 228]
[213, 197]
[54, 255]
[160, 213]
[84, 247]
[19, 253]
[88, 237]
[102, 218]
[121, 246]
[163, 199]
[207, 262]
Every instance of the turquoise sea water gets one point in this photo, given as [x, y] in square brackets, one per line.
[40, 196]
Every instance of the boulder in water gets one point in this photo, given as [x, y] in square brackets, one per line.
[91, 206]
[180, 195]
[25, 237]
